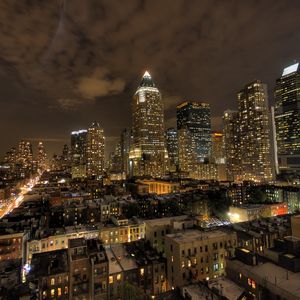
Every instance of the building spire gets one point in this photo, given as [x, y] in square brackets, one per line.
[147, 80]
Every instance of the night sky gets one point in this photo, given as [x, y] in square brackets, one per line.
[66, 63]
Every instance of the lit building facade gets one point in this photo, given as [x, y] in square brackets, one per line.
[41, 157]
[217, 148]
[25, 155]
[254, 132]
[231, 144]
[196, 118]
[172, 147]
[95, 150]
[148, 155]
[186, 154]
[193, 255]
[78, 147]
[125, 144]
[287, 119]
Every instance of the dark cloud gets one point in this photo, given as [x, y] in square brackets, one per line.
[66, 63]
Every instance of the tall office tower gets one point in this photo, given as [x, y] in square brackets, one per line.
[41, 157]
[217, 148]
[196, 117]
[287, 119]
[232, 144]
[148, 156]
[125, 143]
[115, 160]
[66, 158]
[25, 155]
[11, 156]
[78, 153]
[95, 150]
[255, 132]
[78, 147]
[186, 153]
[172, 148]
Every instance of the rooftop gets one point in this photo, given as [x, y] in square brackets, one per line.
[50, 263]
[226, 287]
[191, 236]
[273, 275]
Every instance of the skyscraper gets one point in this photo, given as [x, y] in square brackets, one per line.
[217, 148]
[186, 154]
[148, 156]
[25, 155]
[196, 118]
[254, 132]
[172, 147]
[78, 146]
[287, 119]
[78, 153]
[41, 157]
[125, 144]
[232, 144]
[95, 150]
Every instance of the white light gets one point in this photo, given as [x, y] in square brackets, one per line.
[147, 74]
[290, 69]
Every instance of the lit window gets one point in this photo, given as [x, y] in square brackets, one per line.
[142, 271]
[52, 293]
[44, 294]
[59, 291]
[52, 282]
[111, 279]
[119, 276]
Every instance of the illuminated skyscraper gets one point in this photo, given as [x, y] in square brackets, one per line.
[148, 156]
[217, 148]
[172, 147]
[95, 150]
[254, 132]
[125, 143]
[78, 146]
[25, 156]
[196, 118]
[287, 119]
[232, 144]
[41, 157]
[186, 152]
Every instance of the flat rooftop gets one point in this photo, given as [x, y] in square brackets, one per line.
[275, 277]
[113, 264]
[126, 261]
[50, 263]
[190, 236]
[228, 288]
[164, 221]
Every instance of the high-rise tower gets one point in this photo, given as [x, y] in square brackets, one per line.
[95, 150]
[254, 132]
[196, 118]
[287, 119]
[232, 144]
[172, 147]
[148, 156]
[41, 157]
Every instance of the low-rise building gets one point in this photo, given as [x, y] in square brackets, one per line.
[193, 255]
[249, 212]
[262, 279]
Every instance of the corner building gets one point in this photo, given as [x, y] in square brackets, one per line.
[148, 156]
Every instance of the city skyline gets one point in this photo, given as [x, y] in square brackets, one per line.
[149, 150]
[25, 91]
